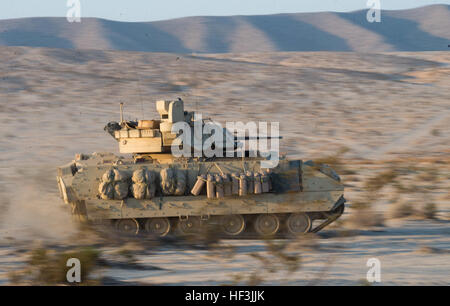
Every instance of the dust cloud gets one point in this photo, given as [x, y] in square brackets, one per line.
[32, 210]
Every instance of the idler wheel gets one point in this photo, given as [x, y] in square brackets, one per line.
[298, 223]
[128, 226]
[232, 225]
[157, 226]
[267, 224]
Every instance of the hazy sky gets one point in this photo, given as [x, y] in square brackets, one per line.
[149, 10]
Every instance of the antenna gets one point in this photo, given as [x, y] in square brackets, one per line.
[139, 88]
[121, 113]
[194, 91]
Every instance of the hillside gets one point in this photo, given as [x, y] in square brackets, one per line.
[420, 29]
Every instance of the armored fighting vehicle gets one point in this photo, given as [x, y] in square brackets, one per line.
[156, 192]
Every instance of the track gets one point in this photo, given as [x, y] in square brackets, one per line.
[252, 226]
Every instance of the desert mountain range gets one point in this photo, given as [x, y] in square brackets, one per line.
[420, 29]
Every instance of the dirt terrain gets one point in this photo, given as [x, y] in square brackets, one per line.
[382, 120]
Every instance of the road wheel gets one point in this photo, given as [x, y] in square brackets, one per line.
[267, 224]
[232, 225]
[298, 223]
[190, 225]
[128, 226]
[157, 226]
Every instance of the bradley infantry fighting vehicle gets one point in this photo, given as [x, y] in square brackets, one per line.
[153, 192]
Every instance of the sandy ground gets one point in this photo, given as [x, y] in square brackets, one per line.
[334, 261]
[390, 111]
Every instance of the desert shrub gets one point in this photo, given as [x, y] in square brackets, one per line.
[382, 179]
[435, 132]
[304, 242]
[49, 267]
[279, 258]
[401, 209]
[364, 282]
[364, 217]
[429, 174]
[424, 249]
[335, 162]
[429, 211]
